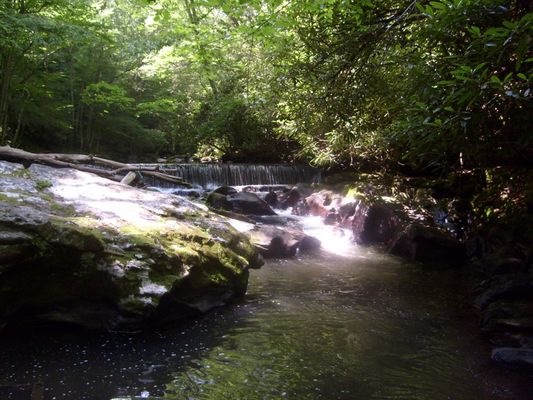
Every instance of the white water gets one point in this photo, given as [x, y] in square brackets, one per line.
[209, 176]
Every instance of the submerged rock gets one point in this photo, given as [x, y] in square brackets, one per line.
[79, 249]
[513, 355]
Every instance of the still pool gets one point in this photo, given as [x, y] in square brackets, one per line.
[357, 326]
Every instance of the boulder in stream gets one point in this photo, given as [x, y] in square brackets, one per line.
[274, 242]
[83, 250]
[429, 245]
[375, 223]
[289, 198]
[239, 202]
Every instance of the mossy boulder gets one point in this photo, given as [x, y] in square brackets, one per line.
[87, 251]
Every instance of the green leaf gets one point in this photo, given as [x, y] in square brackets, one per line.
[510, 25]
[438, 5]
[420, 7]
[475, 30]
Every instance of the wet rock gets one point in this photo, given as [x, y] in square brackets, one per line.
[274, 242]
[309, 243]
[272, 199]
[505, 287]
[429, 245]
[91, 252]
[281, 247]
[272, 188]
[249, 203]
[347, 210]
[194, 194]
[289, 199]
[315, 205]
[496, 265]
[508, 323]
[225, 190]
[280, 220]
[511, 355]
[375, 223]
[217, 201]
[332, 218]
[240, 203]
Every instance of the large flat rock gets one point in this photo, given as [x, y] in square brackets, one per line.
[80, 249]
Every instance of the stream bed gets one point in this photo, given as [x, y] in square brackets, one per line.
[357, 325]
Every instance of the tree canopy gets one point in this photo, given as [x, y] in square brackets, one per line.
[422, 85]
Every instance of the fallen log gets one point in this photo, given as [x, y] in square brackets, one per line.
[116, 170]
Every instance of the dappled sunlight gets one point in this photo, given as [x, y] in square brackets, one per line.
[116, 202]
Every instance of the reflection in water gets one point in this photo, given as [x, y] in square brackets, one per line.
[325, 327]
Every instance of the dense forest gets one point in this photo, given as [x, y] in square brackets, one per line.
[413, 85]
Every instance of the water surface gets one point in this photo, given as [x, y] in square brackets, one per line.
[361, 325]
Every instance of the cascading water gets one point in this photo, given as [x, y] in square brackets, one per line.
[211, 175]
[333, 239]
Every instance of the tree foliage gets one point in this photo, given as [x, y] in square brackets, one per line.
[425, 85]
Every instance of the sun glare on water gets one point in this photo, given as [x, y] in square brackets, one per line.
[333, 239]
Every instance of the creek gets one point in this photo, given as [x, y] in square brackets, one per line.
[348, 323]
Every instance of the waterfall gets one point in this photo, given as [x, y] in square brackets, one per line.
[209, 175]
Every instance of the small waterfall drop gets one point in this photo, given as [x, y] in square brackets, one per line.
[211, 175]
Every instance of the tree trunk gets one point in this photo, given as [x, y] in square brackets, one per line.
[5, 85]
[18, 130]
[79, 125]
[87, 163]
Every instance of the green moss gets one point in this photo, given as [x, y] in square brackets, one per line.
[42, 184]
[186, 251]
[9, 199]
[88, 259]
[62, 209]
[167, 280]
[20, 173]
[77, 232]
[137, 237]
[42, 245]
